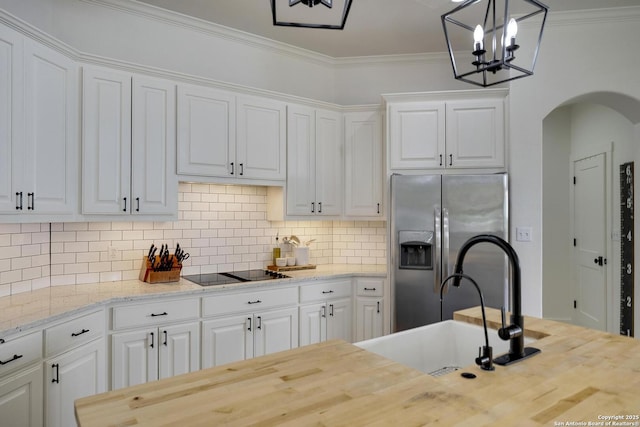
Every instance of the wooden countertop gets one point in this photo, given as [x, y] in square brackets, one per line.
[581, 375]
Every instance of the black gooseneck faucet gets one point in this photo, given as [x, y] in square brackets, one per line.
[514, 332]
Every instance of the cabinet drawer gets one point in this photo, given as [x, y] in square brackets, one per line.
[249, 301]
[325, 290]
[70, 334]
[369, 287]
[20, 351]
[154, 313]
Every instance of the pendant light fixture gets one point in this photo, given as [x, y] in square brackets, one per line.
[483, 42]
[293, 13]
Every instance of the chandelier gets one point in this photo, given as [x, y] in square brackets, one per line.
[329, 17]
[483, 43]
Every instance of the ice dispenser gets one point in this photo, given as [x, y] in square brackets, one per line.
[416, 250]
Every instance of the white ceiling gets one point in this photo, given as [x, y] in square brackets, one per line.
[374, 27]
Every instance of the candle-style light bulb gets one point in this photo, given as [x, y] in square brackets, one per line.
[512, 30]
[478, 36]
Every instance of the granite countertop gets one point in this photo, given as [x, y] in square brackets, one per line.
[36, 308]
[581, 376]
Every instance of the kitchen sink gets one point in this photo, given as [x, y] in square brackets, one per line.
[438, 348]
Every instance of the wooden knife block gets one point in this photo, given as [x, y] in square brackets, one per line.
[148, 275]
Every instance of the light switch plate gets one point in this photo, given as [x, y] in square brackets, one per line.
[523, 234]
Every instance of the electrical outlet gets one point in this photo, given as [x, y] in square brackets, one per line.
[523, 234]
[113, 253]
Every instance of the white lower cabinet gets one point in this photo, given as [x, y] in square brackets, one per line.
[149, 354]
[248, 335]
[326, 312]
[369, 308]
[70, 376]
[21, 398]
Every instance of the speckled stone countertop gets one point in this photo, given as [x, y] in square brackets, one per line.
[37, 308]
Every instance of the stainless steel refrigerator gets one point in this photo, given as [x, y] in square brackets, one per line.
[431, 217]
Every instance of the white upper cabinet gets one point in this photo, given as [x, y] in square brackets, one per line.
[314, 162]
[38, 128]
[128, 144]
[221, 135]
[446, 130]
[363, 164]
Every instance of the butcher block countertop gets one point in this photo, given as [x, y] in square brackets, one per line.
[582, 376]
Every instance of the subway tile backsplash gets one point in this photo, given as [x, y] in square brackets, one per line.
[223, 227]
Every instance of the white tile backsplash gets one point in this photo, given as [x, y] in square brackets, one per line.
[223, 227]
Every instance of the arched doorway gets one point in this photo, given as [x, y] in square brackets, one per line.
[581, 128]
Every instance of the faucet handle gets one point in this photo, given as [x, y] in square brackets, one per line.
[508, 332]
[503, 315]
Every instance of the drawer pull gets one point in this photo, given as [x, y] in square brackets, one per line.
[159, 314]
[77, 334]
[15, 357]
[327, 292]
[254, 302]
[369, 289]
[56, 371]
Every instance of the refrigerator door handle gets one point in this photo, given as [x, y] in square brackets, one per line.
[437, 274]
[445, 244]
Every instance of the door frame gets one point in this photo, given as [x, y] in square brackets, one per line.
[579, 154]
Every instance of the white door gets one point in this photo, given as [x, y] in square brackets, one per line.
[106, 141]
[206, 132]
[301, 161]
[590, 249]
[369, 318]
[75, 374]
[179, 349]
[275, 331]
[135, 358]
[329, 163]
[226, 340]
[21, 398]
[313, 323]
[340, 320]
[261, 149]
[51, 110]
[153, 147]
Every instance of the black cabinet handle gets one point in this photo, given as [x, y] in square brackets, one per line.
[31, 206]
[369, 289]
[319, 207]
[159, 314]
[231, 168]
[440, 159]
[327, 292]
[56, 373]
[15, 357]
[77, 334]
[378, 306]
[331, 312]
[137, 204]
[19, 204]
[249, 328]
[378, 207]
[313, 207]
[152, 339]
[166, 338]
[241, 169]
[450, 159]
[259, 322]
[125, 204]
[254, 302]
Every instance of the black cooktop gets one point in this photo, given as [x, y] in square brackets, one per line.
[213, 279]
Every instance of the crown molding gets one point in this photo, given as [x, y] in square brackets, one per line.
[594, 16]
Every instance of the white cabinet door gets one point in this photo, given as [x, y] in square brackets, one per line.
[226, 340]
[11, 118]
[275, 331]
[329, 155]
[340, 319]
[369, 323]
[179, 349]
[134, 358]
[21, 397]
[261, 139]
[475, 133]
[301, 160]
[363, 164]
[206, 132]
[417, 135]
[154, 186]
[313, 323]
[106, 141]
[75, 374]
[51, 134]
